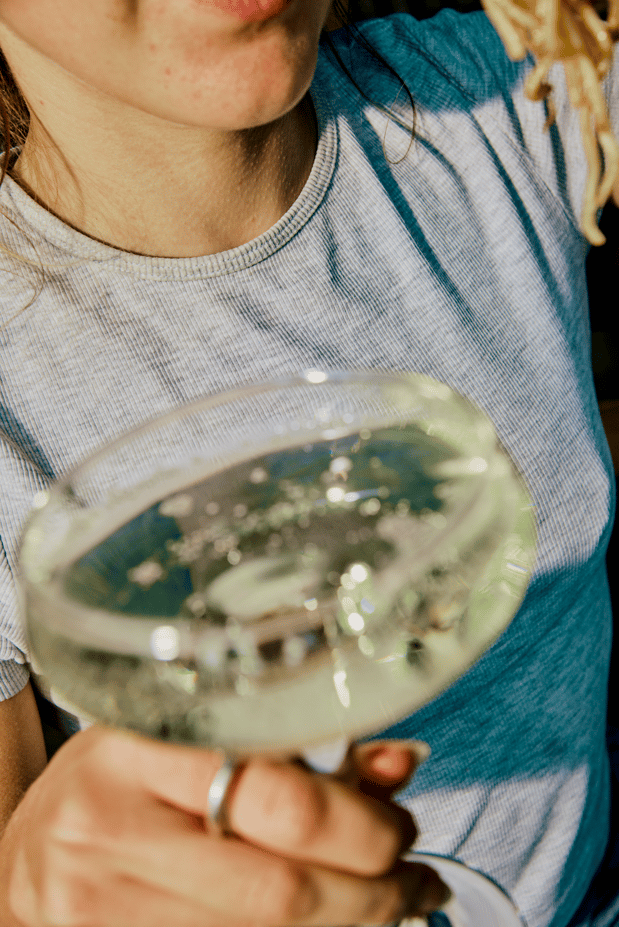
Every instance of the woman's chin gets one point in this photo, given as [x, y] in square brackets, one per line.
[256, 100]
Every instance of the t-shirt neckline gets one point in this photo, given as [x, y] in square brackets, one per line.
[78, 245]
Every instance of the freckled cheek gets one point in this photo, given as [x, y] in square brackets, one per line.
[254, 82]
[222, 84]
[179, 61]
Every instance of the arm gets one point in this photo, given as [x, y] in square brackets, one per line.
[22, 759]
[22, 750]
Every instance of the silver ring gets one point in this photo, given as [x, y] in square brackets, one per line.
[217, 793]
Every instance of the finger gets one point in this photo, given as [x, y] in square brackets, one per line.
[277, 806]
[215, 880]
[409, 890]
[317, 818]
[380, 769]
[389, 765]
[166, 871]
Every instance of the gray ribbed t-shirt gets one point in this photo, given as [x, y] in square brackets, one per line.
[461, 258]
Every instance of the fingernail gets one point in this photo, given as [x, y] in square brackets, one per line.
[422, 750]
[418, 748]
[419, 751]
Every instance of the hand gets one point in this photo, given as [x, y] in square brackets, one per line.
[113, 834]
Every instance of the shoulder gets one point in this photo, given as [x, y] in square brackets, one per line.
[449, 57]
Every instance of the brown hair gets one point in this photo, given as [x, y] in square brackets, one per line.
[14, 112]
[15, 117]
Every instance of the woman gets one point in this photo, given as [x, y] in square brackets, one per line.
[216, 195]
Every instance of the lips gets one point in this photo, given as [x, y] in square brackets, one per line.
[250, 10]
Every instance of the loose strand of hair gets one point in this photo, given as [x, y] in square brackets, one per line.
[341, 10]
[6, 127]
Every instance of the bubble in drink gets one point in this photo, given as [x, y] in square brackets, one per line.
[325, 588]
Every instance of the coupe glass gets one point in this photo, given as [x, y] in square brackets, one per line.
[280, 567]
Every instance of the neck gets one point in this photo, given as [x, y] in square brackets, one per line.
[168, 190]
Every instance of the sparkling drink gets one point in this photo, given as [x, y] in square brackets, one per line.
[282, 590]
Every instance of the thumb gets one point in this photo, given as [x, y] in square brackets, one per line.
[382, 767]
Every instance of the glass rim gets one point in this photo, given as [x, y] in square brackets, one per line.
[308, 377]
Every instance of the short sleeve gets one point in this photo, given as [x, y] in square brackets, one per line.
[456, 61]
[20, 480]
